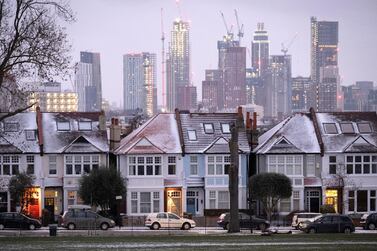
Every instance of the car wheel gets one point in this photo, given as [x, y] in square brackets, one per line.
[2, 226]
[186, 226]
[347, 230]
[104, 226]
[371, 226]
[71, 226]
[31, 227]
[155, 226]
[262, 227]
[312, 231]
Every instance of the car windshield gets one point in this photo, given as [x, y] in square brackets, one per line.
[317, 217]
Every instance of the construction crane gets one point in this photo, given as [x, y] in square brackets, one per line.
[284, 48]
[163, 59]
[240, 28]
[229, 32]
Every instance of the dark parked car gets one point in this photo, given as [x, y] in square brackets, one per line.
[256, 223]
[369, 221]
[329, 223]
[18, 220]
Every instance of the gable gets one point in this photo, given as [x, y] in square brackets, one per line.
[219, 145]
[81, 145]
[6, 147]
[359, 145]
[283, 145]
[143, 146]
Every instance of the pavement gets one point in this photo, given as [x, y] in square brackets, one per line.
[130, 231]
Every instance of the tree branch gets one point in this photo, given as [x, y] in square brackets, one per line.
[10, 114]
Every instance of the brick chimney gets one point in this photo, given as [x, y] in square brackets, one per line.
[115, 130]
[102, 121]
[255, 133]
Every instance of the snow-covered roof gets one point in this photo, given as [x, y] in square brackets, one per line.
[298, 132]
[15, 140]
[59, 141]
[210, 142]
[158, 135]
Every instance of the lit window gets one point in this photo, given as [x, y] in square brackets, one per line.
[85, 125]
[63, 126]
[225, 128]
[364, 127]
[208, 128]
[330, 128]
[347, 128]
[192, 135]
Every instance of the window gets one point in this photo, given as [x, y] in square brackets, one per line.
[172, 165]
[347, 128]
[285, 205]
[219, 199]
[372, 200]
[145, 202]
[9, 165]
[290, 165]
[63, 126]
[330, 128]
[362, 201]
[364, 127]
[194, 165]
[11, 127]
[85, 125]
[192, 135]
[310, 166]
[79, 164]
[332, 164]
[351, 200]
[218, 165]
[296, 200]
[30, 164]
[71, 197]
[142, 165]
[52, 170]
[361, 164]
[30, 135]
[225, 127]
[208, 128]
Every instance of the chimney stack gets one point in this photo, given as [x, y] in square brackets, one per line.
[39, 129]
[115, 130]
[102, 121]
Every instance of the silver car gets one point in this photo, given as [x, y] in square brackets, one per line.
[85, 219]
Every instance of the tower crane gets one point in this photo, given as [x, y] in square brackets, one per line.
[163, 59]
[284, 48]
[229, 32]
[240, 28]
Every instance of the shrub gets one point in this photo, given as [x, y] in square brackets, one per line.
[327, 209]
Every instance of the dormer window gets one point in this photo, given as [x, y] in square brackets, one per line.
[347, 128]
[85, 125]
[225, 128]
[192, 135]
[208, 128]
[330, 128]
[364, 127]
[63, 126]
[30, 135]
[11, 127]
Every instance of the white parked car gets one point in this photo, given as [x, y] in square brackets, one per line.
[299, 218]
[156, 221]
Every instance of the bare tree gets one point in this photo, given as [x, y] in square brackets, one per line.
[33, 46]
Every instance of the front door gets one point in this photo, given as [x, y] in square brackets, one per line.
[174, 201]
[50, 207]
[313, 200]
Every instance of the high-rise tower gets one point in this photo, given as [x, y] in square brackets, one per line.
[139, 82]
[178, 79]
[260, 47]
[88, 84]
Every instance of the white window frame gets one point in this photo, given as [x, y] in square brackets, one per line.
[52, 165]
[214, 201]
[91, 161]
[134, 164]
[191, 134]
[218, 163]
[85, 125]
[63, 126]
[372, 164]
[194, 165]
[30, 162]
[136, 204]
[208, 128]
[172, 162]
[281, 163]
[13, 161]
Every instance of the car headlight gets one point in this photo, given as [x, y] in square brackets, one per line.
[112, 222]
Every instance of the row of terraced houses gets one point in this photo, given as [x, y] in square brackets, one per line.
[179, 162]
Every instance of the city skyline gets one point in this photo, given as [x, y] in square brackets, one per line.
[282, 22]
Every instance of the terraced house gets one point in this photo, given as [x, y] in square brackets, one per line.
[179, 162]
[57, 148]
[331, 158]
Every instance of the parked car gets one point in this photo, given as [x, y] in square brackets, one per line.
[329, 223]
[256, 223]
[156, 221]
[369, 221]
[299, 218]
[84, 218]
[18, 220]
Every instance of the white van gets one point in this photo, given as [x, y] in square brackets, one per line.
[299, 218]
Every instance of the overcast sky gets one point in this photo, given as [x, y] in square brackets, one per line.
[116, 27]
